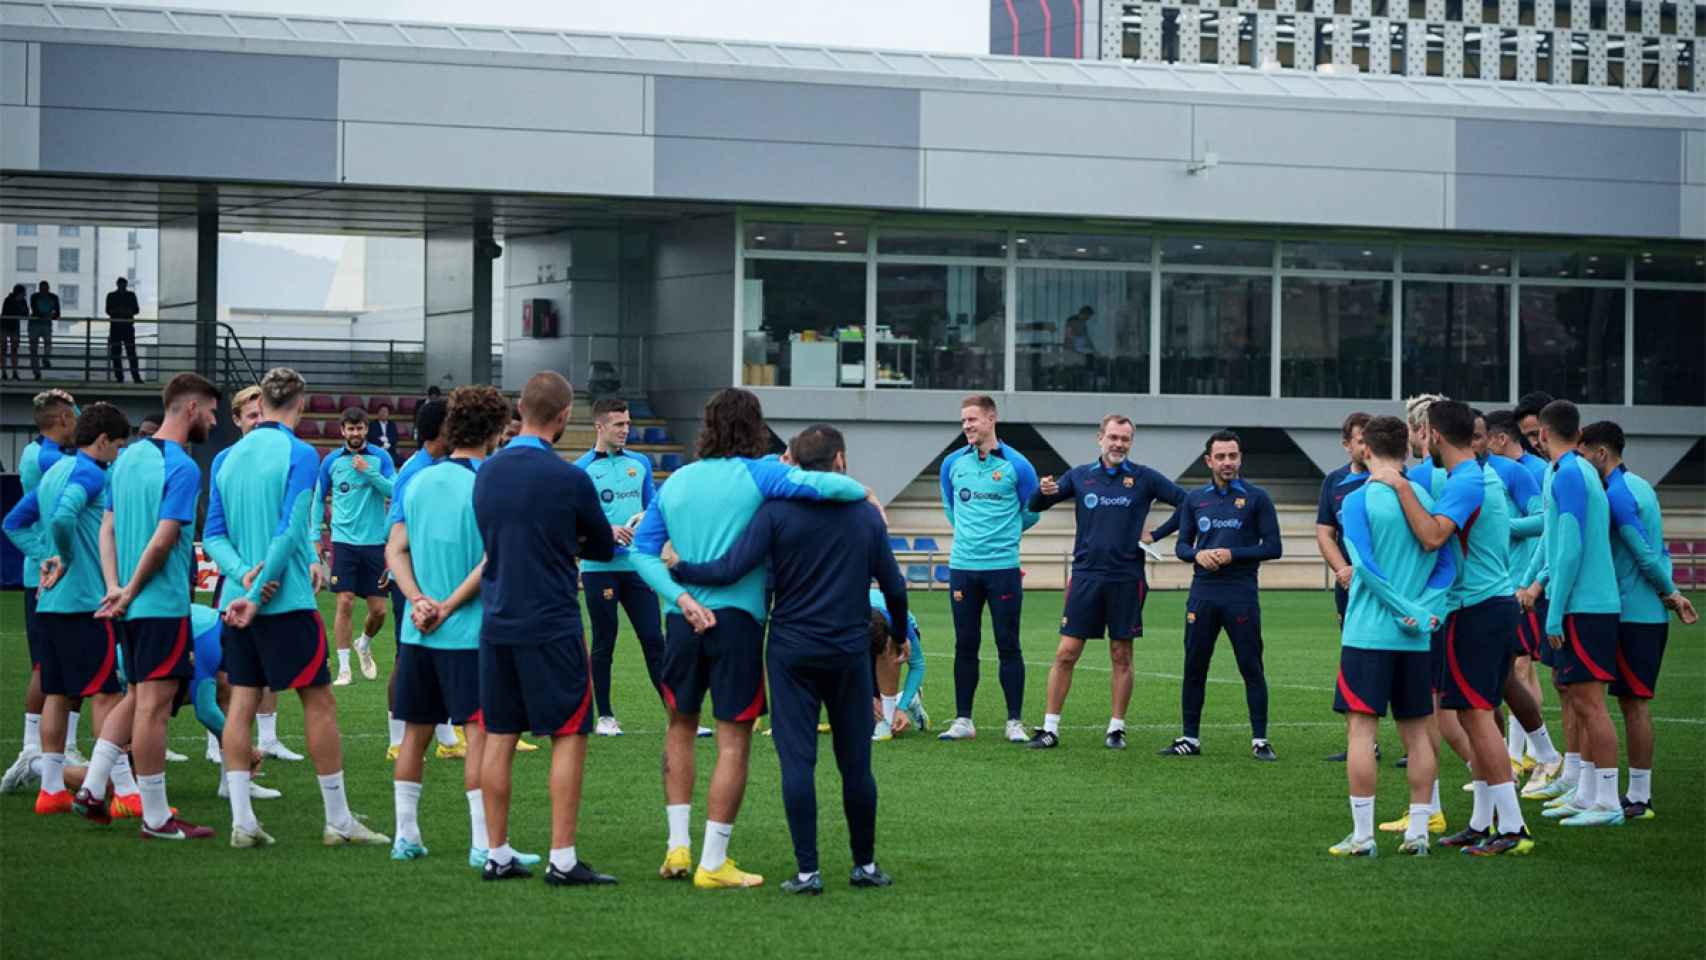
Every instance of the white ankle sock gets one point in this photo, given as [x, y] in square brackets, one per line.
[477, 818]
[1572, 767]
[446, 734]
[53, 773]
[1418, 825]
[563, 858]
[888, 708]
[407, 797]
[1481, 817]
[155, 810]
[32, 732]
[1540, 742]
[1362, 817]
[679, 816]
[1587, 786]
[716, 844]
[101, 762]
[268, 725]
[71, 730]
[332, 795]
[395, 728]
[1116, 723]
[1640, 785]
[1506, 806]
[501, 854]
[242, 808]
[343, 661]
[124, 782]
[1051, 723]
[1433, 805]
[1514, 737]
[1607, 798]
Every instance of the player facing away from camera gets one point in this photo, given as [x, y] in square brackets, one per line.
[1111, 501]
[1329, 532]
[1505, 455]
[1226, 529]
[356, 480]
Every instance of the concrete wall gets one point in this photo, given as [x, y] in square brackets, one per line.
[691, 351]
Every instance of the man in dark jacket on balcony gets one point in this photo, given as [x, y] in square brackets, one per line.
[121, 329]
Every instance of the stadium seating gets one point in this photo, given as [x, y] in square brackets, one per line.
[406, 406]
[918, 574]
[321, 403]
[308, 429]
[348, 400]
[672, 461]
[634, 436]
[374, 403]
[656, 435]
[898, 544]
[941, 573]
[925, 545]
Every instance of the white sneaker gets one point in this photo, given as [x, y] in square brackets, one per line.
[19, 774]
[882, 732]
[278, 751]
[173, 756]
[607, 727]
[357, 834]
[369, 669]
[704, 732]
[256, 791]
[343, 679]
[245, 839]
[74, 758]
[960, 729]
[215, 753]
[1016, 732]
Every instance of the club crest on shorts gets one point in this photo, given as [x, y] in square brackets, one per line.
[609, 593]
[1191, 617]
[334, 579]
[1063, 621]
[959, 595]
[1238, 504]
[1129, 482]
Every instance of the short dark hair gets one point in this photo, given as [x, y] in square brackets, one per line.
[1530, 404]
[1221, 436]
[1476, 413]
[734, 426]
[382, 405]
[1504, 421]
[815, 447]
[982, 401]
[474, 416]
[1386, 437]
[353, 415]
[185, 385]
[1454, 421]
[429, 419]
[1605, 433]
[882, 639]
[434, 392]
[1352, 424]
[155, 418]
[1562, 418]
[608, 405]
[98, 419]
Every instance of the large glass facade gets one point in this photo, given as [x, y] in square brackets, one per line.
[1571, 342]
[1216, 334]
[803, 323]
[1670, 343]
[1335, 337]
[1456, 339]
[946, 325]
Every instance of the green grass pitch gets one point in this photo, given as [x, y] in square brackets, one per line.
[995, 851]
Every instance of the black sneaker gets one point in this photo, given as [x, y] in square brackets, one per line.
[860, 877]
[1115, 740]
[1503, 844]
[1342, 756]
[1642, 810]
[811, 886]
[1467, 837]
[1180, 748]
[1042, 740]
[91, 809]
[579, 875]
[1263, 750]
[1403, 762]
[511, 870]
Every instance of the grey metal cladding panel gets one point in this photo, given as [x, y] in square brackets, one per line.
[20, 147]
[1322, 138]
[180, 145]
[188, 81]
[797, 112]
[1693, 213]
[14, 73]
[490, 96]
[1582, 207]
[542, 161]
[1018, 124]
[1584, 151]
[786, 172]
[1694, 156]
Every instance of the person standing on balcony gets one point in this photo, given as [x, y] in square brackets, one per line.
[16, 307]
[44, 310]
[381, 432]
[121, 329]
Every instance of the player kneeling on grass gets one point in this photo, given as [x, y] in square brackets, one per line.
[897, 710]
[1397, 594]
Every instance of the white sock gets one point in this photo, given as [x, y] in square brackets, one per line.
[1116, 723]
[1539, 742]
[869, 868]
[888, 708]
[1640, 785]
[446, 734]
[363, 642]
[71, 731]
[680, 832]
[1051, 723]
[477, 818]
[407, 797]
[1528, 746]
[214, 745]
[1515, 739]
[53, 773]
[101, 762]
[1505, 804]
[803, 877]
[1587, 786]
[1572, 767]
[242, 808]
[343, 661]
[716, 844]
[124, 782]
[1481, 817]
[32, 732]
[1418, 825]
[501, 854]
[563, 858]
[394, 727]
[1362, 818]
[337, 804]
[1607, 798]
[268, 724]
[155, 810]
[1193, 741]
[1433, 805]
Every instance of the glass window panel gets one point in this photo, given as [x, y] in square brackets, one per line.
[1083, 330]
[1572, 342]
[937, 243]
[27, 259]
[1216, 334]
[26, 229]
[1335, 338]
[805, 236]
[1670, 340]
[70, 231]
[1467, 261]
[1336, 256]
[70, 297]
[1077, 246]
[952, 321]
[1215, 251]
[1671, 266]
[1456, 339]
[1574, 264]
[69, 259]
[803, 324]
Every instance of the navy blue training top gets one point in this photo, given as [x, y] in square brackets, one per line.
[1240, 518]
[1111, 507]
[536, 512]
[823, 557]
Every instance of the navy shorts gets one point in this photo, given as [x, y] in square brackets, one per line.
[1548, 656]
[1436, 658]
[159, 648]
[1478, 654]
[435, 685]
[32, 629]
[1095, 607]
[1640, 650]
[542, 688]
[726, 661]
[1589, 653]
[1531, 633]
[284, 651]
[1341, 599]
[79, 654]
[357, 568]
[1371, 680]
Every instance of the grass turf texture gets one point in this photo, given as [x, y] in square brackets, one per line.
[995, 850]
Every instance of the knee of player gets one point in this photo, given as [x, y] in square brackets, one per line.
[1119, 654]
[1067, 656]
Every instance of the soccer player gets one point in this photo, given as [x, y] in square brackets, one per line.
[1528, 408]
[985, 487]
[1647, 589]
[897, 708]
[1111, 501]
[60, 521]
[817, 654]
[148, 551]
[535, 513]
[625, 490]
[356, 480]
[1522, 481]
[209, 692]
[259, 502]
[1576, 573]
[56, 426]
[1226, 529]
[713, 636]
[1397, 593]
[1329, 533]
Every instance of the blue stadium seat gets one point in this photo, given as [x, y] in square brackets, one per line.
[941, 573]
[634, 436]
[898, 544]
[672, 461]
[640, 410]
[656, 435]
[918, 573]
[925, 544]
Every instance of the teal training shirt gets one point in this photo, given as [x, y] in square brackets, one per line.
[258, 513]
[38, 457]
[62, 517]
[624, 483]
[1486, 542]
[155, 480]
[1522, 502]
[444, 547]
[417, 462]
[984, 497]
[1577, 544]
[1638, 551]
[702, 510]
[358, 496]
[1393, 577]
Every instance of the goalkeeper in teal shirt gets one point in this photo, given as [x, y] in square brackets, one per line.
[357, 478]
